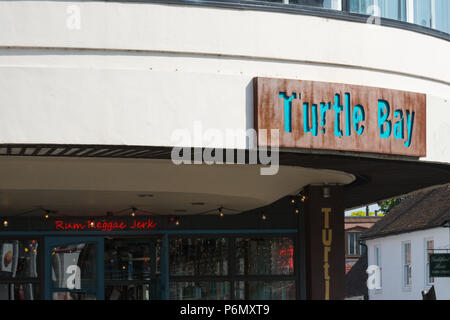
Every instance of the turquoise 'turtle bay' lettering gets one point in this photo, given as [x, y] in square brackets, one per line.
[355, 118]
[358, 116]
[337, 115]
[287, 110]
[347, 115]
[409, 126]
[306, 126]
[399, 126]
[383, 113]
[323, 113]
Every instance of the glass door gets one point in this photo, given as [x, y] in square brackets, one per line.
[74, 268]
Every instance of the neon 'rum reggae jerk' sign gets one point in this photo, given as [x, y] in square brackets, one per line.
[105, 224]
[334, 116]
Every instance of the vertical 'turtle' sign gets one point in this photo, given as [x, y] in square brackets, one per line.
[324, 244]
[327, 240]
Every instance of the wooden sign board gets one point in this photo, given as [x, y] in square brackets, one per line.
[335, 116]
[440, 265]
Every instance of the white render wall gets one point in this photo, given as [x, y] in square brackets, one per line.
[135, 72]
[391, 260]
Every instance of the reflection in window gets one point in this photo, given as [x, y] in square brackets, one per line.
[130, 259]
[198, 256]
[19, 291]
[314, 3]
[69, 261]
[265, 290]
[391, 9]
[422, 12]
[128, 292]
[442, 15]
[269, 256]
[132, 269]
[328, 4]
[200, 290]
[73, 295]
[19, 260]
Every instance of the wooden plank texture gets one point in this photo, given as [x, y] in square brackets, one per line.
[269, 113]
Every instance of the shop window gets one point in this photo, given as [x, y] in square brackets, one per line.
[262, 268]
[200, 290]
[131, 259]
[19, 270]
[19, 291]
[132, 269]
[265, 290]
[69, 261]
[19, 259]
[264, 256]
[198, 257]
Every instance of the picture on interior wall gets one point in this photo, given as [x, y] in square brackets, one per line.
[7, 257]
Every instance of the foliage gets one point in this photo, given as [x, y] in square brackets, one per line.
[363, 214]
[388, 205]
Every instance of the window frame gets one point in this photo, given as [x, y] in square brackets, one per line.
[404, 264]
[39, 280]
[232, 277]
[358, 248]
[378, 259]
[427, 261]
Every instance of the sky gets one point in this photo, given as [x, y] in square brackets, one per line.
[372, 208]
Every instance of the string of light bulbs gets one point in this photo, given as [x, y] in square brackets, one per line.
[172, 219]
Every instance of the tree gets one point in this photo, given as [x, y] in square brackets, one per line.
[363, 214]
[388, 205]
